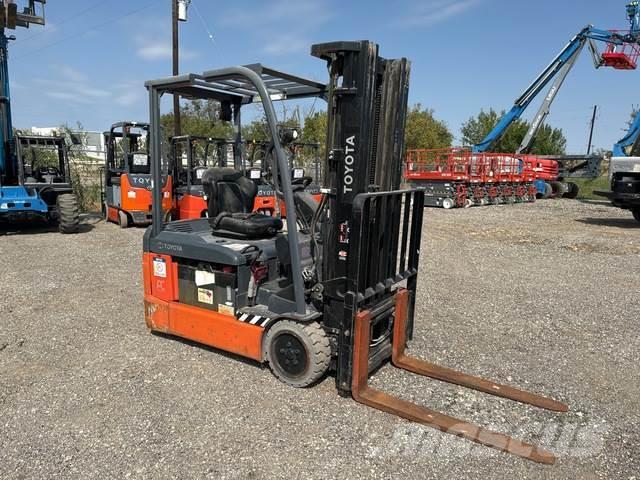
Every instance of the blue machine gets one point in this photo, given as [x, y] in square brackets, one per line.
[30, 188]
[560, 67]
[624, 172]
[629, 145]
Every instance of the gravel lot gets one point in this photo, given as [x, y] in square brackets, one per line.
[542, 296]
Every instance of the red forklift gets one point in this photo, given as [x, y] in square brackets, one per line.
[335, 291]
[191, 156]
[258, 160]
[127, 184]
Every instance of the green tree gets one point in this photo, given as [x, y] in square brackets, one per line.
[548, 141]
[423, 130]
[198, 117]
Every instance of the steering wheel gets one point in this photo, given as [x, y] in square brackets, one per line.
[304, 181]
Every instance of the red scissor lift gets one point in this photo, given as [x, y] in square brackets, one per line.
[442, 173]
[457, 177]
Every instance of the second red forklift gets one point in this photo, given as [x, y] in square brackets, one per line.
[191, 156]
[127, 182]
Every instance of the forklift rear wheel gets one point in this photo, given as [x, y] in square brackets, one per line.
[298, 353]
[636, 213]
[68, 213]
[123, 219]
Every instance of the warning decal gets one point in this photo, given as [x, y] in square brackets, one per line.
[159, 268]
[205, 296]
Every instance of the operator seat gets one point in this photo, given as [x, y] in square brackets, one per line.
[230, 199]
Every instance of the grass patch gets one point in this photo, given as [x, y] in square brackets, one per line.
[587, 186]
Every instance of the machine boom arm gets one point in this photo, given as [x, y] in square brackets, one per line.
[629, 145]
[562, 65]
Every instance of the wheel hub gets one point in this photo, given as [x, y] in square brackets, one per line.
[290, 354]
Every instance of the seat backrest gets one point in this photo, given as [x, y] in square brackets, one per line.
[228, 190]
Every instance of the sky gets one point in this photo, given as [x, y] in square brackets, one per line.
[89, 63]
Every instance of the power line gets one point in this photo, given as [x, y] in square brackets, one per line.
[94, 27]
[204, 23]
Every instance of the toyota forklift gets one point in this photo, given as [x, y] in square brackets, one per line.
[127, 183]
[191, 156]
[260, 158]
[335, 290]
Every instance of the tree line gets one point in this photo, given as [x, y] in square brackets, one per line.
[423, 129]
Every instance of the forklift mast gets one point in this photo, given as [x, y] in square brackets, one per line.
[365, 140]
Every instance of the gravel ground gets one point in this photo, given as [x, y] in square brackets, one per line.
[542, 296]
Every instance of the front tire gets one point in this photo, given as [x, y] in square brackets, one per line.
[298, 353]
[123, 219]
[636, 213]
[68, 213]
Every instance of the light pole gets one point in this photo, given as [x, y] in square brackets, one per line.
[178, 14]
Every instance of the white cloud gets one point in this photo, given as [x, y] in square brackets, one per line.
[282, 27]
[150, 50]
[71, 73]
[436, 11]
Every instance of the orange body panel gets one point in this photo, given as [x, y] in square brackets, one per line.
[143, 198]
[263, 204]
[112, 214]
[186, 321]
[269, 203]
[189, 207]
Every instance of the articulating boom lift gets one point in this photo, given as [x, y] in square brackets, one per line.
[336, 290]
[35, 181]
[621, 52]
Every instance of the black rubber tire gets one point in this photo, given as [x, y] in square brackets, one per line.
[573, 190]
[68, 213]
[123, 219]
[315, 358]
[636, 213]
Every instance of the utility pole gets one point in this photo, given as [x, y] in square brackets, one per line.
[176, 66]
[593, 123]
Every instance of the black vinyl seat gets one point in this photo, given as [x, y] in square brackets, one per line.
[230, 200]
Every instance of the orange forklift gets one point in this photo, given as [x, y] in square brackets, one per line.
[127, 184]
[191, 156]
[335, 291]
[259, 159]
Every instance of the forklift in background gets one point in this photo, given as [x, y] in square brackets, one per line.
[126, 189]
[191, 156]
[35, 181]
[336, 290]
[260, 156]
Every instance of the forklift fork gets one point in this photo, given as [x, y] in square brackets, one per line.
[366, 395]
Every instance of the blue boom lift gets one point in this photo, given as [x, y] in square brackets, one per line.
[624, 171]
[35, 181]
[621, 53]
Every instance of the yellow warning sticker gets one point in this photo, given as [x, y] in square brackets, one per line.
[205, 296]
[226, 309]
